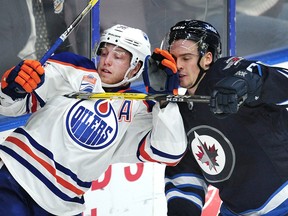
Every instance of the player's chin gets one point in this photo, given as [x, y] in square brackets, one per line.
[183, 83]
[105, 77]
[107, 81]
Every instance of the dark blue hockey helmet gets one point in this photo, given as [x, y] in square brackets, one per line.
[203, 33]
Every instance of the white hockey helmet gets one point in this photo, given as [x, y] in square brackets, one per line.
[134, 41]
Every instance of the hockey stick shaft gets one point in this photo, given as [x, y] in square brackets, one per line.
[140, 96]
[67, 32]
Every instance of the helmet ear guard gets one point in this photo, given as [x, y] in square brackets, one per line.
[203, 46]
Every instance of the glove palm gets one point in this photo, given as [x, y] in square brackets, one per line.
[160, 73]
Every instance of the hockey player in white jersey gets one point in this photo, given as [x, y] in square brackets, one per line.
[49, 164]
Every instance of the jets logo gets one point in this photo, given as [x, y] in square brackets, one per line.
[233, 61]
[92, 125]
[213, 153]
[208, 153]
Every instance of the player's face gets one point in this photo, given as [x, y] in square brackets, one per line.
[113, 63]
[186, 55]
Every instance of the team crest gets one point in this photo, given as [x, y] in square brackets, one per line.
[233, 61]
[213, 152]
[92, 125]
[88, 83]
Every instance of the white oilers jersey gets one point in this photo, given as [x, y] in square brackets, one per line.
[69, 143]
[64, 73]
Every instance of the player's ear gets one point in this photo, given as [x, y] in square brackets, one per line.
[207, 60]
[136, 69]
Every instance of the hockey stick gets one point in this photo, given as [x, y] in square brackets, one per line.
[67, 32]
[140, 96]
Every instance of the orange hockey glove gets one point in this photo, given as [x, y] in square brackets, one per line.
[22, 79]
[161, 69]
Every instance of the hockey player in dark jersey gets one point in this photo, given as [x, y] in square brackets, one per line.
[239, 142]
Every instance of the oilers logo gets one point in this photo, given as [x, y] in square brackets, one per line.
[213, 152]
[92, 125]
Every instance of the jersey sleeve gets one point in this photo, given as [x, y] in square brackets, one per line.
[64, 73]
[185, 188]
[8, 107]
[275, 85]
[166, 142]
[274, 88]
[153, 136]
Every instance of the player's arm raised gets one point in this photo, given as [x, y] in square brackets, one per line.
[22, 79]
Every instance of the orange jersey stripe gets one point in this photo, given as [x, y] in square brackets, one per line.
[46, 165]
[145, 155]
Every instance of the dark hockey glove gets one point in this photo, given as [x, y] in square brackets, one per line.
[231, 92]
[160, 73]
[22, 79]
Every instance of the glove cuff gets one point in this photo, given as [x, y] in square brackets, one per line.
[13, 93]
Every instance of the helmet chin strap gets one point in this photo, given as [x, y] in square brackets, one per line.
[200, 75]
[125, 80]
[115, 84]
